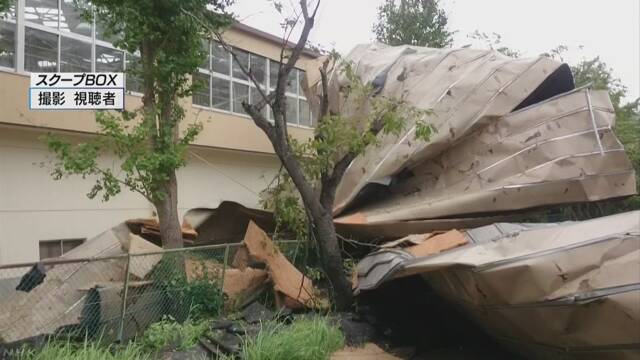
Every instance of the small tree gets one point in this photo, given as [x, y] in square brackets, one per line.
[148, 140]
[413, 22]
[315, 167]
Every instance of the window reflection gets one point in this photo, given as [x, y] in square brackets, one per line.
[9, 14]
[258, 68]
[201, 93]
[220, 93]
[71, 19]
[109, 60]
[40, 51]
[75, 55]
[292, 110]
[7, 44]
[240, 95]
[43, 12]
[305, 116]
[219, 59]
[243, 58]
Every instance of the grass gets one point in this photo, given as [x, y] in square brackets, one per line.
[168, 333]
[305, 339]
[88, 350]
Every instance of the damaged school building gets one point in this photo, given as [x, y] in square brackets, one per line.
[513, 136]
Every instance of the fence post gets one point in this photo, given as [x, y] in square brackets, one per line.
[123, 306]
[224, 265]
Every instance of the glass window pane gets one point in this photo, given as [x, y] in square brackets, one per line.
[10, 14]
[258, 68]
[220, 93]
[43, 12]
[292, 110]
[292, 82]
[132, 67]
[68, 245]
[71, 19]
[7, 45]
[220, 59]
[75, 55]
[274, 66]
[40, 51]
[109, 60]
[255, 98]
[201, 95]
[305, 116]
[50, 249]
[240, 95]
[243, 58]
[205, 49]
[301, 79]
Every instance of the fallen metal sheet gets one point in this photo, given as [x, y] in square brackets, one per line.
[511, 134]
[566, 290]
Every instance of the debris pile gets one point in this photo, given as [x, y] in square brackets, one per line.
[509, 134]
[543, 290]
[83, 291]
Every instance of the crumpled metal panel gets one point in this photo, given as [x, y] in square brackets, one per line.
[567, 290]
[485, 157]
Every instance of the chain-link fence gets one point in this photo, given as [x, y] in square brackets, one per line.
[111, 298]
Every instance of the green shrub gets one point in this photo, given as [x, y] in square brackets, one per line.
[198, 298]
[68, 350]
[306, 339]
[169, 334]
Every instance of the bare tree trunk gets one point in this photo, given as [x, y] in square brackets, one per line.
[167, 207]
[327, 241]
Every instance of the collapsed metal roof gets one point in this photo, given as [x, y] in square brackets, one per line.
[511, 134]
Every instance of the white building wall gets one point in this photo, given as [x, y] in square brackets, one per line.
[34, 207]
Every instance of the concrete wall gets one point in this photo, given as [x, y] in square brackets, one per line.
[34, 207]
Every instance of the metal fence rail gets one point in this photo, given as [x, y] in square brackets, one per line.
[111, 298]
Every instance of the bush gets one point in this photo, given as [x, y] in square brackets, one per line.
[306, 339]
[169, 334]
[55, 350]
[198, 298]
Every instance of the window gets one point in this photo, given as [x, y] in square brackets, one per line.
[242, 58]
[40, 51]
[55, 248]
[109, 60]
[71, 19]
[42, 12]
[220, 93]
[75, 55]
[7, 44]
[57, 37]
[202, 92]
[220, 59]
[240, 95]
[230, 87]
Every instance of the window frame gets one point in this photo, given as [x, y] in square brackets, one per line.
[21, 24]
[13, 21]
[60, 242]
[298, 95]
